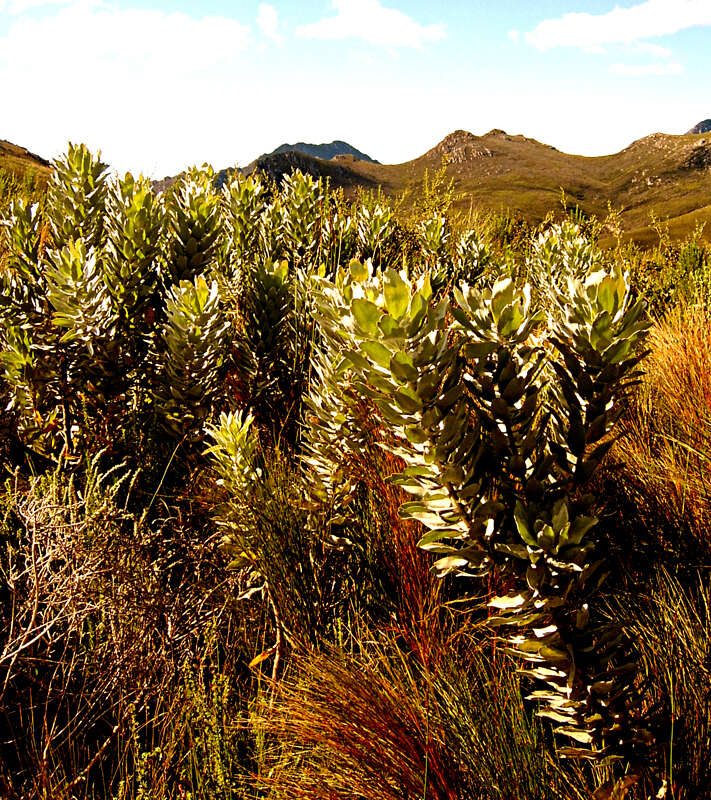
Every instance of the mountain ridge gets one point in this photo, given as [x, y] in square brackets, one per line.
[701, 127]
[326, 151]
[665, 175]
[662, 175]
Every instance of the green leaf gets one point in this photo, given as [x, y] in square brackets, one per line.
[546, 538]
[607, 294]
[427, 518]
[426, 287]
[575, 733]
[477, 350]
[359, 272]
[281, 271]
[580, 527]
[417, 306]
[377, 352]
[449, 564]
[416, 435]
[515, 550]
[434, 536]
[357, 360]
[397, 294]
[460, 316]
[511, 600]
[501, 296]
[391, 415]
[408, 400]
[418, 472]
[366, 314]
[560, 515]
[510, 320]
[521, 519]
[556, 716]
[390, 328]
[402, 368]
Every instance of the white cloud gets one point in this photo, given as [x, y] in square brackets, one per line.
[20, 6]
[375, 24]
[650, 49]
[99, 41]
[144, 85]
[268, 21]
[645, 70]
[621, 25]
[95, 40]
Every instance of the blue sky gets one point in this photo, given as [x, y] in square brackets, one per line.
[158, 85]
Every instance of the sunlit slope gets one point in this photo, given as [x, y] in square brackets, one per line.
[19, 161]
[668, 176]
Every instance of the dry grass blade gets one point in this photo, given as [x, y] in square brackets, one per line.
[666, 447]
[379, 726]
[360, 730]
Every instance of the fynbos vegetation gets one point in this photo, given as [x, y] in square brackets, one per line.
[305, 498]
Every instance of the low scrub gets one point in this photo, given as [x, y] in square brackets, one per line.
[305, 500]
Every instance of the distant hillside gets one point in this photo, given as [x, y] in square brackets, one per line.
[702, 127]
[326, 152]
[18, 160]
[668, 176]
[339, 172]
[338, 169]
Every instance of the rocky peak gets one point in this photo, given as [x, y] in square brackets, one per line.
[326, 152]
[702, 127]
[460, 147]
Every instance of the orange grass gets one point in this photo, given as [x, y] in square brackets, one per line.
[364, 730]
[427, 626]
[665, 450]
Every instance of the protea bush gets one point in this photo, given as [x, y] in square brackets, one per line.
[500, 415]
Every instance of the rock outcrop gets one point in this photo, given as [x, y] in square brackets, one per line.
[702, 127]
[460, 147]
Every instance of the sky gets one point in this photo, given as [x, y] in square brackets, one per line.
[157, 85]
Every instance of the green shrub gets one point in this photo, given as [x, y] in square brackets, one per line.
[498, 434]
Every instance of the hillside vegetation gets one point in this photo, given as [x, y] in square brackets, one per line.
[661, 175]
[14, 158]
[305, 498]
[21, 173]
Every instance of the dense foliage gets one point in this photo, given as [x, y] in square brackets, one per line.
[240, 422]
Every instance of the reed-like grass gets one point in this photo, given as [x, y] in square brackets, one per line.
[380, 726]
[664, 451]
[669, 624]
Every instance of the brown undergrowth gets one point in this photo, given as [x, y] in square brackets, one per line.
[664, 450]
